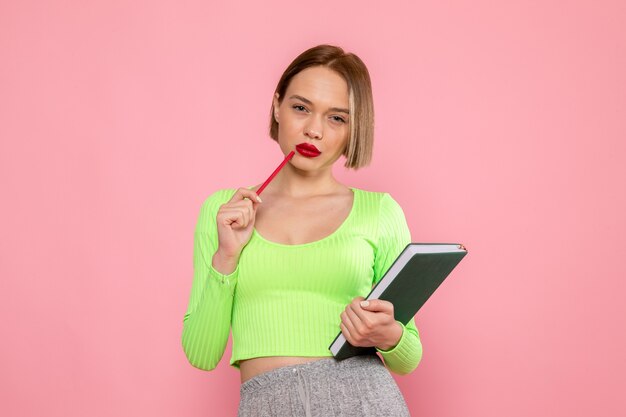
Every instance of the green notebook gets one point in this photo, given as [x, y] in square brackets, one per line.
[413, 277]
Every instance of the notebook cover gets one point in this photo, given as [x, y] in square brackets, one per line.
[410, 289]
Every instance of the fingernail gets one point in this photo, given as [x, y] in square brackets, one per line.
[365, 303]
[259, 199]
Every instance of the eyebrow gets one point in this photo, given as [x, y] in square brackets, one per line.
[307, 101]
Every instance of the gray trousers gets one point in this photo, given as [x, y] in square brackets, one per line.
[358, 386]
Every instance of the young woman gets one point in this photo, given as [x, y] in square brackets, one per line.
[288, 272]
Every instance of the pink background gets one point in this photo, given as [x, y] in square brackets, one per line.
[500, 125]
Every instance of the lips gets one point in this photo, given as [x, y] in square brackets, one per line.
[308, 150]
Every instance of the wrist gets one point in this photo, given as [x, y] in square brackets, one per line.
[224, 264]
[394, 338]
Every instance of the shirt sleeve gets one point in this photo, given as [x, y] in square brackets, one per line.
[393, 236]
[206, 324]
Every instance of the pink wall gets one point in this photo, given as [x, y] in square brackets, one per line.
[499, 124]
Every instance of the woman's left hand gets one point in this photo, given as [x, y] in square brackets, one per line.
[372, 325]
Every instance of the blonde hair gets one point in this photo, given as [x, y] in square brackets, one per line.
[360, 144]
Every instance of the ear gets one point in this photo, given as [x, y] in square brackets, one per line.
[276, 105]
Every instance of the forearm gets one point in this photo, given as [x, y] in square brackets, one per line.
[206, 325]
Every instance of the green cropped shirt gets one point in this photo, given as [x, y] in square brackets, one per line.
[286, 300]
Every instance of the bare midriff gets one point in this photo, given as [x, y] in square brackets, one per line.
[249, 368]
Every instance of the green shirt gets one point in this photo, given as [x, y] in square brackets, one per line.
[286, 300]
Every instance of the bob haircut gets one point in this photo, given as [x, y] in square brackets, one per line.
[358, 151]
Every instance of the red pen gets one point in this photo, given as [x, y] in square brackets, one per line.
[282, 164]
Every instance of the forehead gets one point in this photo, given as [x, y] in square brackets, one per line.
[320, 85]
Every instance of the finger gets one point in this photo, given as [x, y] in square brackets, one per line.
[359, 317]
[246, 209]
[248, 206]
[235, 215]
[232, 218]
[246, 202]
[346, 334]
[252, 211]
[347, 321]
[357, 300]
[378, 305]
[243, 193]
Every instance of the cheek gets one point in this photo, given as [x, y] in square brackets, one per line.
[289, 124]
[341, 139]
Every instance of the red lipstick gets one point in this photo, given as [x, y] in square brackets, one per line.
[308, 150]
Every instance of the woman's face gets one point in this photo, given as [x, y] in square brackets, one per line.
[314, 111]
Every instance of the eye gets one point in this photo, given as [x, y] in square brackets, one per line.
[339, 119]
[298, 107]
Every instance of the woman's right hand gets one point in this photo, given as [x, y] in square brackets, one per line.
[235, 222]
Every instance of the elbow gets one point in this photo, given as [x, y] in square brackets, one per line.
[197, 360]
[416, 355]
[202, 365]
[417, 358]
[411, 365]
[405, 371]
[198, 354]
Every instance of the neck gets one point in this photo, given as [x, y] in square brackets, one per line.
[296, 183]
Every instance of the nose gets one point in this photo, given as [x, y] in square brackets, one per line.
[314, 129]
